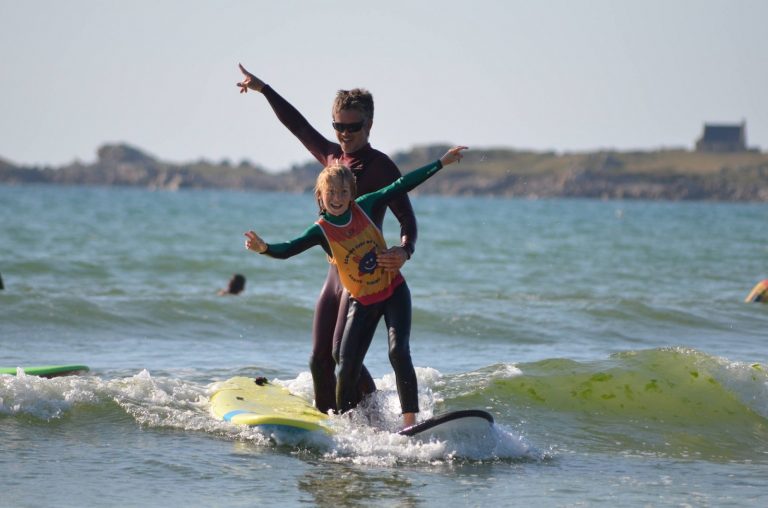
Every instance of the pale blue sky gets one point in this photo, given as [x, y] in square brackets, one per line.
[543, 75]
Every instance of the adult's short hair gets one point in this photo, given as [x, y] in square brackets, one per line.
[358, 99]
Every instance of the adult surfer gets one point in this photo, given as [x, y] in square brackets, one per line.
[352, 114]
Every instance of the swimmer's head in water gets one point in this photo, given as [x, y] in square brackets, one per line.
[236, 284]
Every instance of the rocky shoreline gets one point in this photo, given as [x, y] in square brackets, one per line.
[656, 175]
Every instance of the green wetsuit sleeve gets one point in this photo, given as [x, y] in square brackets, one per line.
[403, 184]
[311, 237]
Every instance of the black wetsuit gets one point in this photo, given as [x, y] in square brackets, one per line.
[373, 170]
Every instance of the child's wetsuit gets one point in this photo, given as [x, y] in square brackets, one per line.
[353, 240]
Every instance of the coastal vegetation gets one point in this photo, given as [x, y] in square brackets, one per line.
[668, 174]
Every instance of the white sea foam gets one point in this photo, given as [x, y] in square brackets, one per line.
[43, 398]
[366, 435]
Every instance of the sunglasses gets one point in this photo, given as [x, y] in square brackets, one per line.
[348, 127]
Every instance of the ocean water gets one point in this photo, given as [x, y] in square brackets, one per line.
[609, 339]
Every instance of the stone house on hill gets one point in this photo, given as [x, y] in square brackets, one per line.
[723, 138]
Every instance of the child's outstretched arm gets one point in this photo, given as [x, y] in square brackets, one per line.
[453, 155]
[255, 243]
[409, 181]
[284, 250]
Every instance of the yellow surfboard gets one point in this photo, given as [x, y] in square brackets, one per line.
[257, 402]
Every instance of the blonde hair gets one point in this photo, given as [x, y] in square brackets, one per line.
[336, 172]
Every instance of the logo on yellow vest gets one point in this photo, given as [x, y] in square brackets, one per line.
[368, 263]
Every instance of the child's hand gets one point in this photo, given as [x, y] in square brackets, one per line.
[453, 155]
[254, 242]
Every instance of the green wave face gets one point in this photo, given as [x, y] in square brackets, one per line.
[672, 401]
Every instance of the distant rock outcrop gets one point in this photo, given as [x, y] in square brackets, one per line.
[122, 154]
[662, 174]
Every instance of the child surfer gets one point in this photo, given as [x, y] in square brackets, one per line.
[352, 241]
